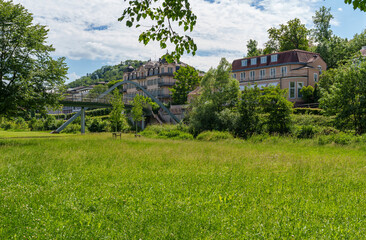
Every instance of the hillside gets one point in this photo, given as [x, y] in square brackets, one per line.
[106, 74]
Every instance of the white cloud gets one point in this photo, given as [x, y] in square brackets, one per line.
[340, 9]
[72, 77]
[223, 27]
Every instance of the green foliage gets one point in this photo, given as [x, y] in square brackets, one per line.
[214, 136]
[294, 35]
[274, 103]
[322, 26]
[314, 120]
[360, 4]
[177, 132]
[309, 111]
[163, 15]
[252, 48]
[29, 78]
[307, 131]
[98, 125]
[219, 87]
[110, 74]
[117, 118]
[219, 92]
[187, 79]
[97, 91]
[307, 93]
[346, 98]
[249, 109]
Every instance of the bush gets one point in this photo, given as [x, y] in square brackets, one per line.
[179, 131]
[97, 125]
[72, 128]
[314, 120]
[310, 111]
[307, 131]
[214, 136]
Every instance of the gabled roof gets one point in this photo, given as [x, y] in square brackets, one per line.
[291, 56]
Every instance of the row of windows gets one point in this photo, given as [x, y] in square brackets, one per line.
[262, 73]
[151, 72]
[253, 61]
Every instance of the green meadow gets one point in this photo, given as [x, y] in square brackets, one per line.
[96, 187]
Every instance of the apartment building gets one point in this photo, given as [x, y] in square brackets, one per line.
[290, 70]
[154, 76]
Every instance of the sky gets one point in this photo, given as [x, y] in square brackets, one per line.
[89, 35]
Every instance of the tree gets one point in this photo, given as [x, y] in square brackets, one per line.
[334, 51]
[249, 109]
[29, 78]
[219, 87]
[346, 98]
[220, 93]
[252, 46]
[274, 104]
[164, 15]
[97, 90]
[360, 4]
[137, 108]
[116, 117]
[307, 94]
[187, 80]
[294, 35]
[321, 22]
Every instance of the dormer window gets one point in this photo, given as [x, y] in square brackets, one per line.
[263, 60]
[253, 61]
[274, 58]
[244, 63]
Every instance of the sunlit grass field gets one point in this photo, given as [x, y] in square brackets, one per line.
[97, 187]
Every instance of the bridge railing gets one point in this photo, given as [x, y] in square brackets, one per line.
[86, 98]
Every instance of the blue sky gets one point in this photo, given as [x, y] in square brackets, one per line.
[88, 34]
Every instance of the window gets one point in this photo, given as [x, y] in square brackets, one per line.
[244, 63]
[170, 70]
[234, 75]
[274, 58]
[242, 76]
[320, 69]
[252, 75]
[262, 73]
[162, 70]
[284, 71]
[299, 87]
[156, 71]
[315, 77]
[273, 72]
[292, 90]
[253, 61]
[263, 60]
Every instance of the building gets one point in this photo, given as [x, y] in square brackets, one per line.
[154, 76]
[290, 70]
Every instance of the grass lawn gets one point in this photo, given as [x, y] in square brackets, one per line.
[97, 187]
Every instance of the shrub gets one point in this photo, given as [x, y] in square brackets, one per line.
[328, 131]
[72, 128]
[179, 131]
[314, 120]
[214, 136]
[97, 125]
[310, 111]
[307, 131]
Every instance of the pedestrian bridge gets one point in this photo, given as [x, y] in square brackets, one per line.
[102, 100]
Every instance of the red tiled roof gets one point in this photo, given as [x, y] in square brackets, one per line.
[291, 56]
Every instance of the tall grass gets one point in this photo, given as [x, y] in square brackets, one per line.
[97, 187]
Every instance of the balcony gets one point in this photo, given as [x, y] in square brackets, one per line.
[163, 95]
[165, 84]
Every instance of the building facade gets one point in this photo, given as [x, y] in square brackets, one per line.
[290, 70]
[157, 77]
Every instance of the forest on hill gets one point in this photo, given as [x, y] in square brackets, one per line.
[106, 74]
